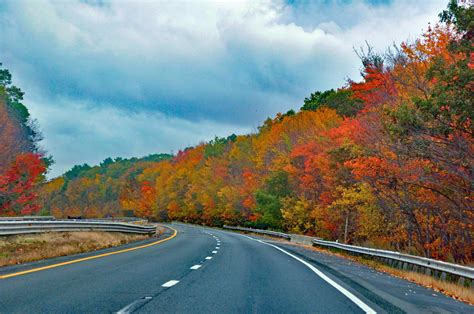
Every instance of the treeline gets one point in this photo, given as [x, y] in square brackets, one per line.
[387, 161]
[22, 162]
[92, 192]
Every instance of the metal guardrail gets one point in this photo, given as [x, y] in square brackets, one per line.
[265, 232]
[32, 226]
[427, 263]
[22, 218]
[120, 219]
[431, 266]
[133, 220]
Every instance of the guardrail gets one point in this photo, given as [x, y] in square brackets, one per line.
[32, 226]
[43, 218]
[429, 266]
[265, 232]
[21, 218]
[406, 261]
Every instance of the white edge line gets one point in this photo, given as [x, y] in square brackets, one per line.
[353, 298]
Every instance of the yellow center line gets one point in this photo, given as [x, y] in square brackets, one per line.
[175, 232]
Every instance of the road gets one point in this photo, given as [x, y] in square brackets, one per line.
[203, 270]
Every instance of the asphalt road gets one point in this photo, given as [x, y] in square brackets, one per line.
[210, 271]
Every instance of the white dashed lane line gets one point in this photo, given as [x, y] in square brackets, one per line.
[134, 305]
[170, 283]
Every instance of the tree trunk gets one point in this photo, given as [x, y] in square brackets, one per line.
[346, 227]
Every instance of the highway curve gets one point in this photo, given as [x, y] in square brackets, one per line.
[203, 270]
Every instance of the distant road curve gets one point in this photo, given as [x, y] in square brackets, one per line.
[202, 270]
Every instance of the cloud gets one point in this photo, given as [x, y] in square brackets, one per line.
[223, 65]
[86, 133]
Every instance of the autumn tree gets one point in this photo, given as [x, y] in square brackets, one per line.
[22, 165]
[341, 100]
[17, 196]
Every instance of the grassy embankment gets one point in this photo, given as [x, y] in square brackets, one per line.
[20, 249]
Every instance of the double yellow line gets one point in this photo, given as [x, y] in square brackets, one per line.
[175, 232]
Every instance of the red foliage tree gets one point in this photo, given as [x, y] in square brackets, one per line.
[17, 183]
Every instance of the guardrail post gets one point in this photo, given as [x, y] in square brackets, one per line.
[427, 271]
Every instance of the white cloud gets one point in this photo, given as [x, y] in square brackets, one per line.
[182, 65]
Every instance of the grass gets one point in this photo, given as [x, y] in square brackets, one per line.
[451, 289]
[20, 249]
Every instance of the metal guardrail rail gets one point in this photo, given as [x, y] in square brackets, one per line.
[431, 266]
[266, 232]
[33, 226]
[44, 218]
[427, 263]
[22, 218]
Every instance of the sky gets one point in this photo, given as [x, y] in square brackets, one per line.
[121, 78]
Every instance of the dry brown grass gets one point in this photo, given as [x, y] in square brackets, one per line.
[32, 247]
[451, 289]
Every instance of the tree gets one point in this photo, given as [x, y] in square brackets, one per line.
[16, 125]
[296, 215]
[362, 220]
[16, 185]
[341, 100]
[22, 166]
[269, 199]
